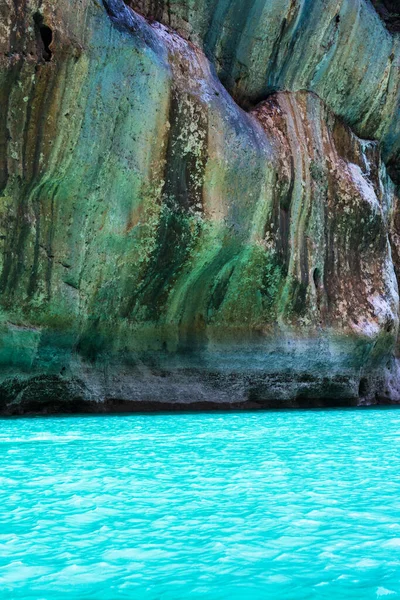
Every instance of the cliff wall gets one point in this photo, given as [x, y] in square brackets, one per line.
[198, 204]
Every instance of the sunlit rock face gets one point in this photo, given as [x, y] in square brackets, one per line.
[339, 49]
[198, 205]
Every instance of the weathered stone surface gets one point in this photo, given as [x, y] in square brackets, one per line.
[338, 49]
[163, 245]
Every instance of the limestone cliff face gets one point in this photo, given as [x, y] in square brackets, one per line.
[198, 204]
[338, 49]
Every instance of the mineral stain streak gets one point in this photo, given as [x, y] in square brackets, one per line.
[198, 205]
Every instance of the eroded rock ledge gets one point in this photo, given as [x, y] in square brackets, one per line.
[339, 50]
[162, 246]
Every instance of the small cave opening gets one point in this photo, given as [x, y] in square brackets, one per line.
[363, 388]
[317, 277]
[318, 286]
[44, 37]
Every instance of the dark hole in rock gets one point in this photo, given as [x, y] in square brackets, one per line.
[363, 388]
[317, 277]
[389, 326]
[45, 37]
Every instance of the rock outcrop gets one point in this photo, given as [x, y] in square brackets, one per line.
[198, 205]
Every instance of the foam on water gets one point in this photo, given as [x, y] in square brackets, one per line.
[277, 505]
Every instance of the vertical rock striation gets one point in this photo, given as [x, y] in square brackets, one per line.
[198, 205]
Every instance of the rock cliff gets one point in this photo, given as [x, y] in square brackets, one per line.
[198, 204]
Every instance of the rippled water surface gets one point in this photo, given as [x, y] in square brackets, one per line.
[275, 505]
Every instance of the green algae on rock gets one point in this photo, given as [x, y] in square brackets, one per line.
[160, 244]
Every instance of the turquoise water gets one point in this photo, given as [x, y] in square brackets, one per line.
[276, 505]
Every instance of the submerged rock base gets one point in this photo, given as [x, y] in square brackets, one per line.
[159, 386]
[198, 206]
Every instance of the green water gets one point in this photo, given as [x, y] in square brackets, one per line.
[275, 505]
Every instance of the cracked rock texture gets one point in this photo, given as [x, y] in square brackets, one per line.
[198, 204]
